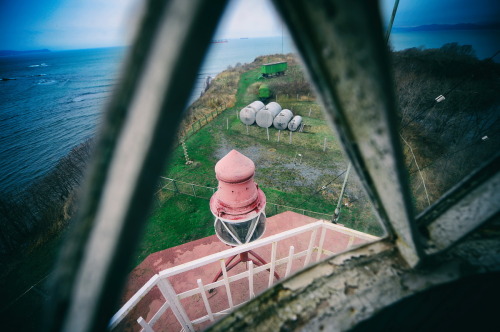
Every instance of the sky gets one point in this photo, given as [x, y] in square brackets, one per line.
[76, 24]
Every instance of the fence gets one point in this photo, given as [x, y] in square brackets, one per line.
[195, 190]
[197, 125]
[172, 300]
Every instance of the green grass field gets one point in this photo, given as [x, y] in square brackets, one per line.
[285, 177]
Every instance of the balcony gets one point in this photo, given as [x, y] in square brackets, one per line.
[174, 290]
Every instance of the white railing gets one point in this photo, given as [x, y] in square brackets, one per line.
[173, 300]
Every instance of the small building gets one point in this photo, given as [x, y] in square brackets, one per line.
[274, 69]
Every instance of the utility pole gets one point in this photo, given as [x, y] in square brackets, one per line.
[336, 215]
[391, 22]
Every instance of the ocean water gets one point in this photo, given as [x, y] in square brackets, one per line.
[485, 42]
[222, 55]
[56, 99]
[53, 103]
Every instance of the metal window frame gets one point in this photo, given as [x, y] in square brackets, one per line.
[343, 49]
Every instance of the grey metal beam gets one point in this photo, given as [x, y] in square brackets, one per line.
[139, 130]
[343, 48]
[465, 207]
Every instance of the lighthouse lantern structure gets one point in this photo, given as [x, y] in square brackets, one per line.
[238, 204]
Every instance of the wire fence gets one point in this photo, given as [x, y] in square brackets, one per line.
[192, 129]
[195, 190]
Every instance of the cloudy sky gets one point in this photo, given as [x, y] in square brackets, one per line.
[73, 24]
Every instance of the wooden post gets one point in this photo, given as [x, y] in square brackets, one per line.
[279, 133]
[290, 137]
[324, 145]
[267, 130]
[175, 186]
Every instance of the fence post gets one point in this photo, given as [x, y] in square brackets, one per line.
[324, 145]
[290, 137]
[267, 129]
[279, 133]
[175, 186]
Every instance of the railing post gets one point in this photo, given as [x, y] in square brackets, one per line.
[321, 243]
[273, 263]
[205, 300]
[310, 247]
[226, 283]
[145, 325]
[290, 261]
[250, 280]
[169, 293]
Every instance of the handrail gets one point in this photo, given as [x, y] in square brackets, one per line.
[162, 276]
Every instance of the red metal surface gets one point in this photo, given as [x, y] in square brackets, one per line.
[238, 197]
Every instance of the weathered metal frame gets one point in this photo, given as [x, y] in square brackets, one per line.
[343, 48]
[139, 131]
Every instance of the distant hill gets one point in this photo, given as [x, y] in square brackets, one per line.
[10, 52]
[460, 26]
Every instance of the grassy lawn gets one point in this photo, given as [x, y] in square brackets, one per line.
[285, 177]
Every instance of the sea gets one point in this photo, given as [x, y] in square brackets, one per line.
[54, 101]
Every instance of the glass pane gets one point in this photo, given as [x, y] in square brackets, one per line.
[252, 96]
[446, 78]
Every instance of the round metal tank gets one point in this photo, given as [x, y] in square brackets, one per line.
[257, 105]
[282, 119]
[265, 116]
[247, 116]
[295, 123]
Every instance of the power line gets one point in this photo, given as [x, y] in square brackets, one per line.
[452, 153]
[23, 294]
[437, 100]
[323, 187]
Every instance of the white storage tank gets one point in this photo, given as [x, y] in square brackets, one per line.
[265, 116]
[295, 123]
[257, 105]
[281, 120]
[247, 114]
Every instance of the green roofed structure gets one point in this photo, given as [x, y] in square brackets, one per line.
[264, 91]
[273, 69]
